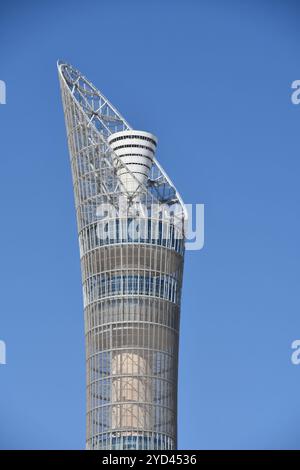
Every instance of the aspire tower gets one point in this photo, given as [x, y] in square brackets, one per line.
[131, 222]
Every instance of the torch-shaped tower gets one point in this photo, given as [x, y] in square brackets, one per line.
[131, 237]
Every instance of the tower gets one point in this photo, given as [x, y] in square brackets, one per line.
[130, 221]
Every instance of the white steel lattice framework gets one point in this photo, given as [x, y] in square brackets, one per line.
[131, 236]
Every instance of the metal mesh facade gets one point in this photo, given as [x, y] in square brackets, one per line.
[131, 238]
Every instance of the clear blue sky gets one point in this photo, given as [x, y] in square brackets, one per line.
[212, 80]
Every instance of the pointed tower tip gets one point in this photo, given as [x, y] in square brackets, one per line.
[60, 62]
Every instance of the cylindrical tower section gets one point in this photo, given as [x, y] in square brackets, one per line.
[132, 332]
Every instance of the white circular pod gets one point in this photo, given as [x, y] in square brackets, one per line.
[136, 149]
